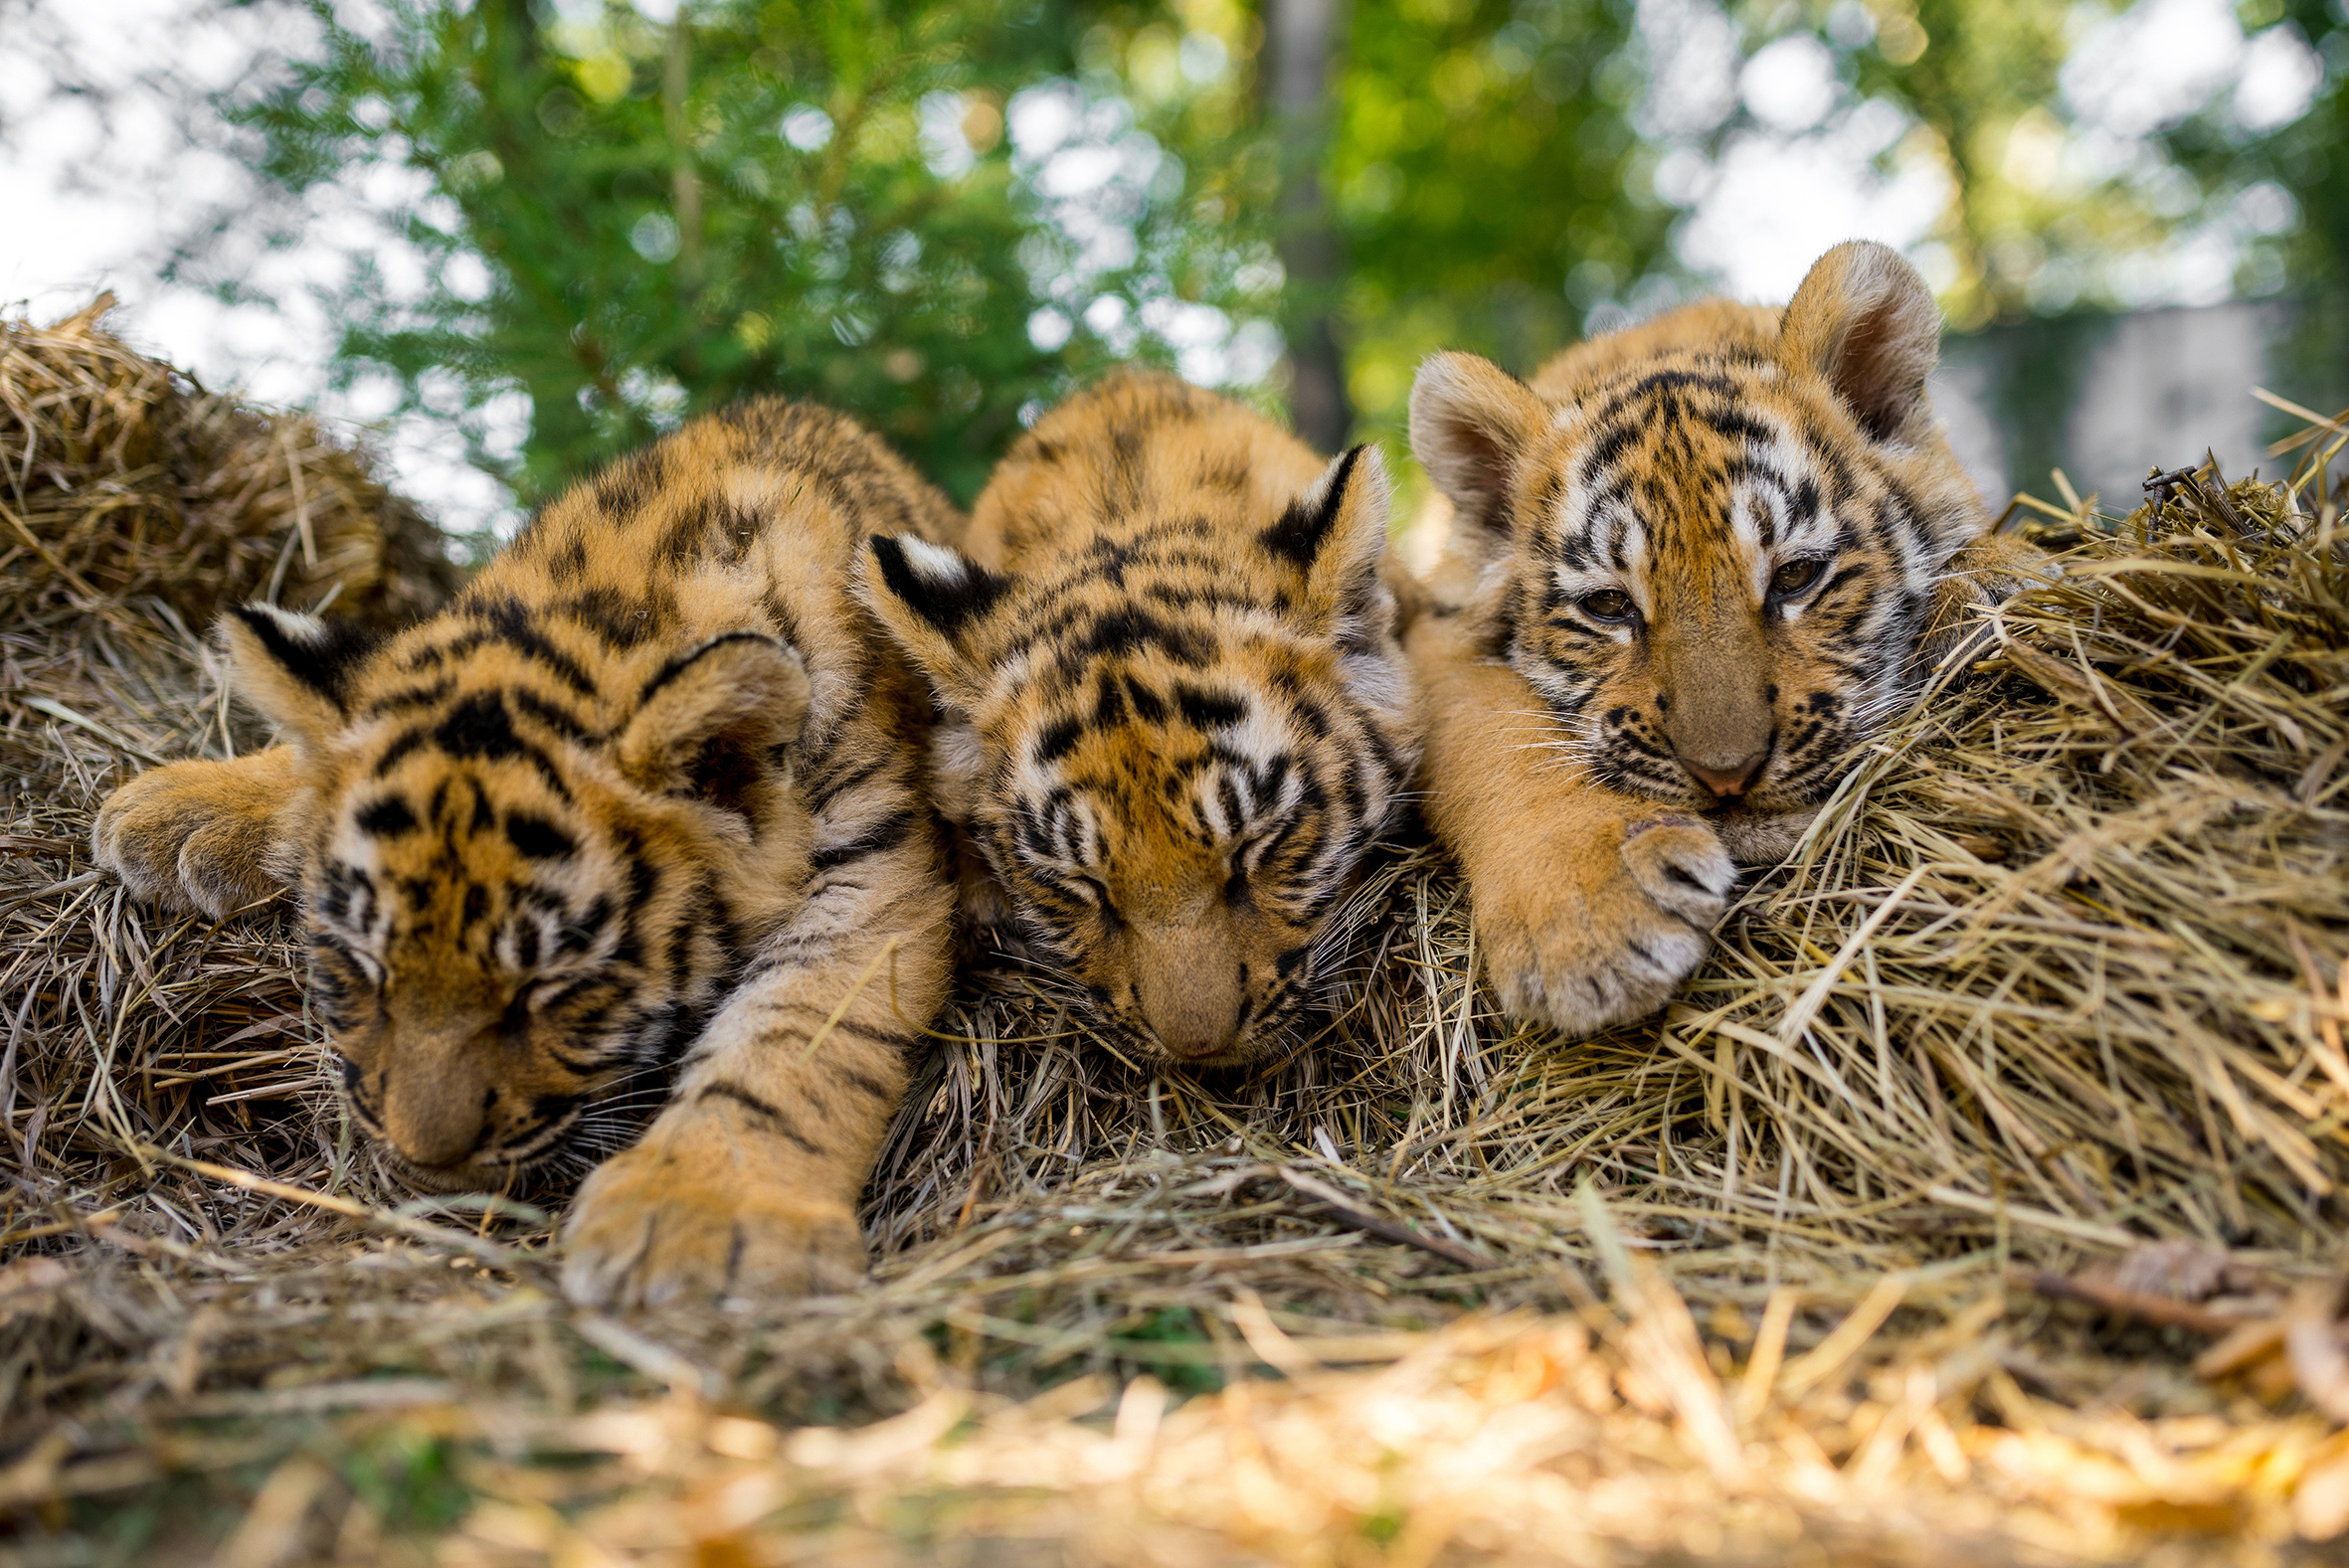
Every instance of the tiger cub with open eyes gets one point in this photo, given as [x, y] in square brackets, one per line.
[1175, 712]
[644, 799]
[1692, 566]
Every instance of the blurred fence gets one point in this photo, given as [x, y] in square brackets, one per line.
[2104, 397]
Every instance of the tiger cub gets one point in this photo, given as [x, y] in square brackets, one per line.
[1175, 712]
[646, 798]
[1693, 564]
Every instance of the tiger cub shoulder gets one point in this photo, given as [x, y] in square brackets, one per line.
[1176, 712]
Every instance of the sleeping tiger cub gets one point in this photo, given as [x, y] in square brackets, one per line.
[1176, 709]
[645, 798]
[1693, 564]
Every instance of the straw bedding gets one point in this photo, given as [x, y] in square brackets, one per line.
[1976, 1203]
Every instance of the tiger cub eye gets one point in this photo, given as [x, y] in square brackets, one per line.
[1608, 603]
[1796, 577]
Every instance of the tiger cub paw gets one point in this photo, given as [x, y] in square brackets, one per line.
[1634, 920]
[202, 838]
[687, 1216]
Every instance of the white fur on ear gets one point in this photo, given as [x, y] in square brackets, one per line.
[929, 598]
[944, 570]
[1864, 320]
[297, 670]
[1471, 424]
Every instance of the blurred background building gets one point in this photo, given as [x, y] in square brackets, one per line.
[506, 238]
[2102, 396]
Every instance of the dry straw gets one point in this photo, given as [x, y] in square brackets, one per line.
[124, 481]
[2019, 1088]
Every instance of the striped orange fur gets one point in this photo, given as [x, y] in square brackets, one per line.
[1176, 709]
[1694, 565]
[638, 817]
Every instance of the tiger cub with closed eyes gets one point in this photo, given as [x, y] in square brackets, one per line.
[644, 799]
[1175, 712]
[1692, 566]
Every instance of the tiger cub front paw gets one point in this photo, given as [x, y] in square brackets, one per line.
[1611, 939]
[693, 1214]
[201, 836]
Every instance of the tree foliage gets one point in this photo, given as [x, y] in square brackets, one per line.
[2307, 157]
[940, 215]
[624, 221]
[1490, 185]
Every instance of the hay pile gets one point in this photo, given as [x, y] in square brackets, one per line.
[1978, 1202]
[125, 481]
[133, 506]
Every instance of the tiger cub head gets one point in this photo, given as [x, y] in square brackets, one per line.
[528, 862]
[1173, 729]
[1711, 542]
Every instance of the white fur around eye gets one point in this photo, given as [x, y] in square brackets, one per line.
[1073, 834]
[1258, 736]
[1208, 794]
[355, 847]
[1615, 527]
[1567, 521]
[1254, 848]
[366, 920]
[1259, 739]
[1749, 504]
[1573, 585]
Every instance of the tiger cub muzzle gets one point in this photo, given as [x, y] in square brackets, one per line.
[1202, 976]
[1714, 700]
[1178, 870]
[466, 1103]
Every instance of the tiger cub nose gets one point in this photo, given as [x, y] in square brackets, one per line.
[1196, 1027]
[1733, 780]
[436, 1136]
[1193, 996]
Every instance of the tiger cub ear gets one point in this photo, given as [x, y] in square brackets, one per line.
[297, 670]
[709, 722]
[1335, 533]
[1863, 320]
[1472, 423]
[931, 599]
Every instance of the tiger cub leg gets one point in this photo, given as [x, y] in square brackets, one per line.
[1590, 905]
[204, 836]
[747, 1184]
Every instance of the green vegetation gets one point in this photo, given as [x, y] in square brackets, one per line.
[1491, 185]
[941, 215]
[814, 199]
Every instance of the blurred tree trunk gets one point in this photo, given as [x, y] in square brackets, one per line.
[1301, 41]
[677, 81]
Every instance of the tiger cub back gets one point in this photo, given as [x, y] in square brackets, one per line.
[1176, 709]
[645, 801]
